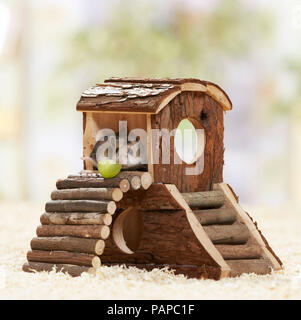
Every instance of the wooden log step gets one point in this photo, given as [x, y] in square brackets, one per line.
[81, 206]
[96, 232]
[114, 194]
[72, 270]
[85, 174]
[238, 252]
[205, 199]
[222, 215]
[135, 182]
[65, 257]
[76, 218]
[87, 182]
[258, 266]
[227, 234]
[94, 246]
[145, 177]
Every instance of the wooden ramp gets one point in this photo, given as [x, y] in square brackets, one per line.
[128, 220]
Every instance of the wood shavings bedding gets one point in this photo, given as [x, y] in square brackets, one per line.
[17, 226]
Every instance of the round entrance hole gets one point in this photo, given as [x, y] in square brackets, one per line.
[189, 142]
[127, 230]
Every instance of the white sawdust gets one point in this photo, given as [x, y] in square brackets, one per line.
[18, 223]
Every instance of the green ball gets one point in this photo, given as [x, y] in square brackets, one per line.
[109, 168]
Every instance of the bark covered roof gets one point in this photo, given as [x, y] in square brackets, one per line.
[142, 95]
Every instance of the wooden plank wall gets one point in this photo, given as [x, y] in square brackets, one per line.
[203, 110]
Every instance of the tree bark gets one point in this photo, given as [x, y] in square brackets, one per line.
[65, 257]
[83, 182]
[76, 218]
[167, 238]
[82, 245]
[205, 199]
[114, 194]
[157, 197]
[81, 206]
[72, 270]
[96, 232]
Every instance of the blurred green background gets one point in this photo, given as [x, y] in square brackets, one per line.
[50, 51]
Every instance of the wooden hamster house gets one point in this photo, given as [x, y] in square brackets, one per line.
[156, 217]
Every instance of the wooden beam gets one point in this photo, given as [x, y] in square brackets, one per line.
[65, 257]
[76, 218]
[81, 206]
[227, 234]
[258, 266]
[80, 182]
[72, 270]
[223, 215]
[114, 194]
[83, 231]
[205, 199]
[234, 252]
[82, 245]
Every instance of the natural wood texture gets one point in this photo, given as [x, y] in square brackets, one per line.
[258, 266]
[227, 234]
[223, 215]
[134, 167]
[199, 232]
[167, 238]
[82, 245]
[83, 231]
[191, 271]
[96, 121]
[76, 218]
[146, 178]
[205, 199]
[90, 130]
[114, 194]
[72, 270]
[146, 99]
[127, 230]
[234, 252]
[205, 113]
[135, 182]
[188, 84]
[267, 252]
[150, 166]
[157, 197]
[73, 183]
[81, 206]
[160, 242]
[80, 259]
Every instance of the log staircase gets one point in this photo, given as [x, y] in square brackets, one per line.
[201, 234]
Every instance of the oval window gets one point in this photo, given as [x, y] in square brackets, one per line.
[189, 142]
